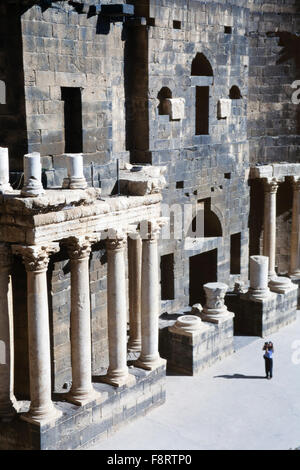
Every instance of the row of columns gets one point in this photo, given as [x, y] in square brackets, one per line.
[269, 240]
[144, 314]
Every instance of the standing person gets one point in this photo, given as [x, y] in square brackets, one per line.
[268, 356]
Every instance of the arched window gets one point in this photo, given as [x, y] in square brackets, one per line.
[2, 92]
[201, 66]
[163, 107]
[235, 93]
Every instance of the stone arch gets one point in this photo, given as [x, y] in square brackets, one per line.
[201, 66]
[2, 92]
[163, 94]
[235, 93]
[212, 221]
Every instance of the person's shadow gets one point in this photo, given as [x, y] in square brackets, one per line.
[239, 376]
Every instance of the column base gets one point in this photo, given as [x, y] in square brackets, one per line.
[81, 399]
[134, 345]
[78, 183]
[258, 294]
[5, 188]
[215, 315]
[150, 365]
[128, 380]
[280, 285]
[42, 419]
[32, 190]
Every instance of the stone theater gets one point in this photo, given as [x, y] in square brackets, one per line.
[149, 201]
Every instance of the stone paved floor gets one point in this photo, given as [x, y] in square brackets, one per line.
[229, 406]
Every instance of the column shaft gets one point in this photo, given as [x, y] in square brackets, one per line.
[7, 398]
[295, 234]
[269, 241]
[134, 275]
[150, 358]
[82, 390]
[117, 373]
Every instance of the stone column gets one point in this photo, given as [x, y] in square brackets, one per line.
[82, 390]
[269, 241]
[75, 179]
[117, 373]
[259, 289]
[150, 298]
[32, 175]
[7, 399]
[134, 276]
[295, 235]
[4, 171]
[215, 309]
[36, 259]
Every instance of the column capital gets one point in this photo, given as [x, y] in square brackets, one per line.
[5, 256]
[116, 239]
[35, 257]
[80, 247]
[296, 183]
[270, 185]
[154, 227]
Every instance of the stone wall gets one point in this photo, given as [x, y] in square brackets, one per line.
[81, 427]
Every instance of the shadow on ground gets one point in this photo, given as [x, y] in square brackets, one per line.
[239, 376]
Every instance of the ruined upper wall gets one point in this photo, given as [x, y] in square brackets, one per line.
[274, 64]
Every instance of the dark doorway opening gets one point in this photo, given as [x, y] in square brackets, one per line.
[167, 277]
[72, 119]
[235, 254]
[202, 110]
[203, 269]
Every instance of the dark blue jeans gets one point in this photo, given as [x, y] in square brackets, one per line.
[269, 366]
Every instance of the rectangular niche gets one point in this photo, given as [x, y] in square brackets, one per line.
[72, 119]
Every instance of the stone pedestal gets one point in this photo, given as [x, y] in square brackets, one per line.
[134, 277]
[215, 309]
[82, 390]
[4, 171]
[269, 241]
[194, 345]
[150, 358]
[117, 373]
[7, 399]
[36, 259]
[75, 179]
[32, 176]
[259, 278]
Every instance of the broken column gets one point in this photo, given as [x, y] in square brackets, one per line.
[4, 171]
[75, 179]
[259, 289]
[215, 308]
[32, 175]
